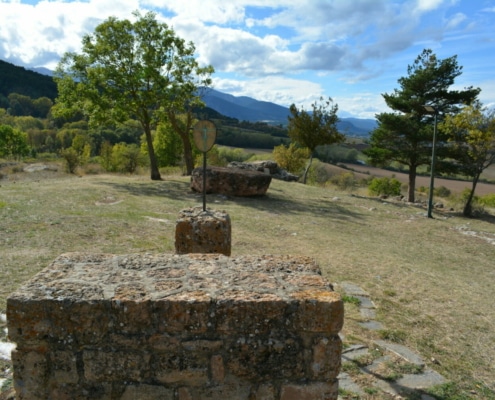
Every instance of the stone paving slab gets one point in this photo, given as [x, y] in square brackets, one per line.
[368, 313]
[402, 352]
[366, 302]
[355, 353]
[372, 325]
[353, 290]
[346, 383]
[411, 382]
[408, 382]
[425, 380]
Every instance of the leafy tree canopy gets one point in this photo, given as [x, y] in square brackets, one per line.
[472, 135]
[130, 70]
[405, 136]
[316, 128]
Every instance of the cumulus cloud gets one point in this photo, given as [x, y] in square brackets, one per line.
[281, 46]
[38, 35]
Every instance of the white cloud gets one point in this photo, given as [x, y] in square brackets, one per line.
[455, 21]
[429, 5]
[288, 49]
[361, 105]
[218, 12]
[487, 95]
[279, 90]
[39, 35]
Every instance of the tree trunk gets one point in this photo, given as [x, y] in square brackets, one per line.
[412, 184]
[186, 140]
[188, 156]
[155, 172]
[468, 207]
[305, 176]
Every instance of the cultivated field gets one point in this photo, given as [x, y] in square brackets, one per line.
[431, 279]
[454, 185]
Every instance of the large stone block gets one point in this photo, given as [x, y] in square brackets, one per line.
[178, 327]
[231, 181]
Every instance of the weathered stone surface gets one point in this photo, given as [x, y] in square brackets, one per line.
[195, 326]
[311, 391]
[148, 392]
[231, 181]
[198, 231]
[268, 167]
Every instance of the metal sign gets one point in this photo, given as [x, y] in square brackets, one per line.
[204, 133]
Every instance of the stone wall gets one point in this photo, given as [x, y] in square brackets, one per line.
[176, 327]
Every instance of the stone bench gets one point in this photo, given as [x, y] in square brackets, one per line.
[231, 181]
[176, 327]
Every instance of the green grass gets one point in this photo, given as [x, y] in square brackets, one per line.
[431, 282]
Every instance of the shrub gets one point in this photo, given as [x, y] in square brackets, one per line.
[459, 201]
[212, 158]
[442, 191]
[230, 155]
[384, 186]
[72, 159]
[290, 158]
[345, 181]
[127, 157]
[318, 174]
[487, 200]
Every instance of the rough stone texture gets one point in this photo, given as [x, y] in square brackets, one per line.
[198, 231]
[268, 167]
[176, 327]
[231, 181]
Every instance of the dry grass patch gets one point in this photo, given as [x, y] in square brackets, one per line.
[429, 280]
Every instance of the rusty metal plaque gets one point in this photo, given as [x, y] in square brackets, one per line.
[204, 133]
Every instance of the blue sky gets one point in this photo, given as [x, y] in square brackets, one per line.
[282, 51]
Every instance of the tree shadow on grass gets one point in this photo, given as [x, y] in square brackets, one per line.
[276, 201]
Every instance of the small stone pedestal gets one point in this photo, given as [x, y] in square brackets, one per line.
[198, 231]
[176, 327]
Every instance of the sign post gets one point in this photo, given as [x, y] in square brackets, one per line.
[204, 133]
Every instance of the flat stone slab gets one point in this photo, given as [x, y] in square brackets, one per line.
[353, 290]
[346, 383]
[368, 313]
[365, 302]
[412, 382]
[401, 351]
[372, 325]
[354, 352]
[425, 380]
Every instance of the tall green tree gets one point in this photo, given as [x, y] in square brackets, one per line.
[405, 136]
[472, 134]
[316, 128]
[130, 70]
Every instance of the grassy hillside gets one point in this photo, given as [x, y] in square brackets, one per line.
[432, 280]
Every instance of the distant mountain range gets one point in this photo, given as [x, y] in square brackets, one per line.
[20, 80]
[248, 109]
